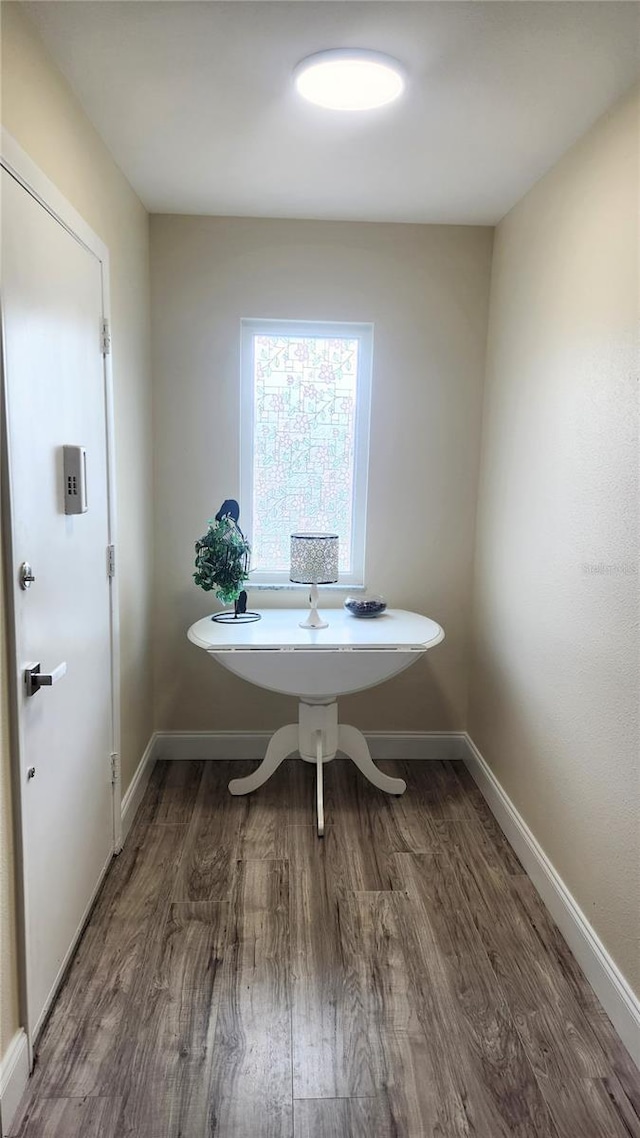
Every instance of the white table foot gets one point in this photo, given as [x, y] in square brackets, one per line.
[281, 745]
[354, 745]
[319, 785]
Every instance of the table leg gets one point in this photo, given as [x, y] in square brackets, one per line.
[354, 745]
[319, 785]
[281, 745]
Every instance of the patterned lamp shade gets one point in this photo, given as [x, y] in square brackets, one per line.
[314, 558]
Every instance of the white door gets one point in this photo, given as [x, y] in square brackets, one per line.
[55, 385]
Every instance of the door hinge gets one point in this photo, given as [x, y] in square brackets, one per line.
[111, 561]
[105, 338]
[115, 768]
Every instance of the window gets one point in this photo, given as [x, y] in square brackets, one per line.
[304, 440]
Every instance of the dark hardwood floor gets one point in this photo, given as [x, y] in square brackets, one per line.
[400, 978]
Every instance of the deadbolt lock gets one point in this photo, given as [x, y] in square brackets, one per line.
[26, 575]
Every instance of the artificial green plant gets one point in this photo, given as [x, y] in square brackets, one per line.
[222, 560]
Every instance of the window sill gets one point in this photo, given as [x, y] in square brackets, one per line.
[290, 586]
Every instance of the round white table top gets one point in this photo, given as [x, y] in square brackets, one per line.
[279, 629]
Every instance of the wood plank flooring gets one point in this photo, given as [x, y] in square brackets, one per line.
[400, 978]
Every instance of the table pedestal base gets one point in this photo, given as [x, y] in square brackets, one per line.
[317, 736]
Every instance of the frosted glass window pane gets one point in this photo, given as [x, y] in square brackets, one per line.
[304, 443]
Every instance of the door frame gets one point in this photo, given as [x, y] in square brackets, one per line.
[23, 170]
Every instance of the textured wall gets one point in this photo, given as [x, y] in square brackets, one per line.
[554, 680]
[42, 114]
[426, 290]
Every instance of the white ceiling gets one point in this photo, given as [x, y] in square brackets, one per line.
[196, 103]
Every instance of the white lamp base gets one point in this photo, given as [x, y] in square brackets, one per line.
[314, 620]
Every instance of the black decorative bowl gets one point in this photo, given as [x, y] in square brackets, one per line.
[366, 604]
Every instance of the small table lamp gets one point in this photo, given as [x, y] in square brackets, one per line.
[314, 561]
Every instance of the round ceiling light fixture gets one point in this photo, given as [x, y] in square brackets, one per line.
[349, 79]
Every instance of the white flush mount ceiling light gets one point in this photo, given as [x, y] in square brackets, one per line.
[349, 79]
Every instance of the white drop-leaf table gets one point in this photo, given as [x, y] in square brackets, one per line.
[317, 666]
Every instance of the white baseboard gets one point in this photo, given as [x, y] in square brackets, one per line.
[253, 744]
[617, 998]
[14, 1076]
[135, 791]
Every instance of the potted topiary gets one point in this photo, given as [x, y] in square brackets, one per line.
[222, 562]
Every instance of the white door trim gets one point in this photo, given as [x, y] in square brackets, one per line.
[21, 167]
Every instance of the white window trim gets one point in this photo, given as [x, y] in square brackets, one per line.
[361, 332]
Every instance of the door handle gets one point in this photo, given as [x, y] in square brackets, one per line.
[35, 679]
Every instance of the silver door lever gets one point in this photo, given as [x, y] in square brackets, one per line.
[35, 679]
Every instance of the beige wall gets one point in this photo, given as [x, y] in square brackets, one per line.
[554, 680]
[42, 114]
[426, 290]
